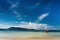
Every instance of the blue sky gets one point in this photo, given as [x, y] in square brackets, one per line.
[16, 11]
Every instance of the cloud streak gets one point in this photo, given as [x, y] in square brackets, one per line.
[33, 6]
[13, 5]
[12, 8]
[16, 13]
[17, 16]
[41, 17]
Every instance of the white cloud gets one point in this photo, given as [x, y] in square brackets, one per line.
[5, 26]
[36, 4]
[33, 6]
[29, 25]
[18, 16]
[41, 17]
[13, 4]
[16, 13]
[36, 26]
[10, 2]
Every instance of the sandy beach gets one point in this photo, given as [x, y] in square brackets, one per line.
[29, 36]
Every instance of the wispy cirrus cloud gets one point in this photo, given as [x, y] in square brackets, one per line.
[16, 13]
[17, 16]
[41, 17]
[12, 8]
[13, 5]
[36, 4]
[33, 6]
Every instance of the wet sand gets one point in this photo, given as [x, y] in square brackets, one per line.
[29, 36]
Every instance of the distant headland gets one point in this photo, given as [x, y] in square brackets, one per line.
[25, 29]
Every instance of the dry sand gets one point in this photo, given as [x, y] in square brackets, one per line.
[30, 38]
